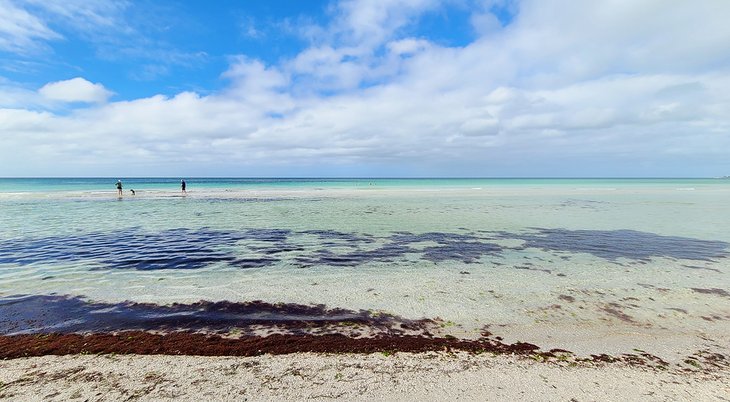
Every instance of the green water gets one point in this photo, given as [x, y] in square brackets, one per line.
[516, 288]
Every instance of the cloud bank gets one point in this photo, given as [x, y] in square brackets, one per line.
[605, 88]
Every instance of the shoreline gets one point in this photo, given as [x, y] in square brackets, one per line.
[202, 344]
[34, 325]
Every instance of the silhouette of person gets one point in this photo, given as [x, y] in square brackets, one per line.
[119, 187]
[183, 185]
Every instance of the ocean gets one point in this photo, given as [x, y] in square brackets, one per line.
[555, 262]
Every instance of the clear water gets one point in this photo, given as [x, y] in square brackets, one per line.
[526, 258]
[101, 184]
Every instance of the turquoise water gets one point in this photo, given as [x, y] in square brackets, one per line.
[101, 184]
[638, 258]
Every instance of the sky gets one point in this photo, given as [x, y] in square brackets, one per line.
[365, 88]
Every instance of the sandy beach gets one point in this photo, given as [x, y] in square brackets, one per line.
[136, 365]
[377, 376]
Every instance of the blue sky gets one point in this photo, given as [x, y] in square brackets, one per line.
[489, 88]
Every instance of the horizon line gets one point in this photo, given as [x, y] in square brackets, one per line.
[361, 177]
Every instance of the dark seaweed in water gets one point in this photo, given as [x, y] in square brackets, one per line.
[67, 314]
[131, 248]
[451, 246]
[436, 237]
[134, 249]
[386, 253]
[713, 291]
[342, 236]
[193, 249]
[614, 244]
[468, 252]
[270, 235]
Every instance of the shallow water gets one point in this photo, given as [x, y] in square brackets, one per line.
[633, 256]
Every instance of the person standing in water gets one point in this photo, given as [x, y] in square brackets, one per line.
[183, 185]
[119, 188]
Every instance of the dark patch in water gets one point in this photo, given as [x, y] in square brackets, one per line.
[586, 204]
[713, 318]
[467, 252]
[547, 271]
[705, 268]
[214, 200]
[335, 235]
[615, 244]
[658, 289]
[129, 249]
[436, 237]
[269, 235]
[258, 248]
[135, 249]
[253, 262]
[451, 247]
[713, 291]
[386, 253]
[276, 249]
[67, 314]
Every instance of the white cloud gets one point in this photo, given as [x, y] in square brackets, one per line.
[75, 90]
[346, 53]
[21, 31]
[83, 15]
[248, 28]
[373, 22]
[606, 88]
[485, 23]
[25, 27]
[407, 46]
[15, 96]
[32, 28]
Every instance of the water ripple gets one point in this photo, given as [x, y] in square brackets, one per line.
[258, 248]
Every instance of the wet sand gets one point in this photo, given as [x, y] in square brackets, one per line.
[377, 376]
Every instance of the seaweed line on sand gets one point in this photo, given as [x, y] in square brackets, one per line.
[190, 343]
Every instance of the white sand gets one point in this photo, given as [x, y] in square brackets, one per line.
[403, 376]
